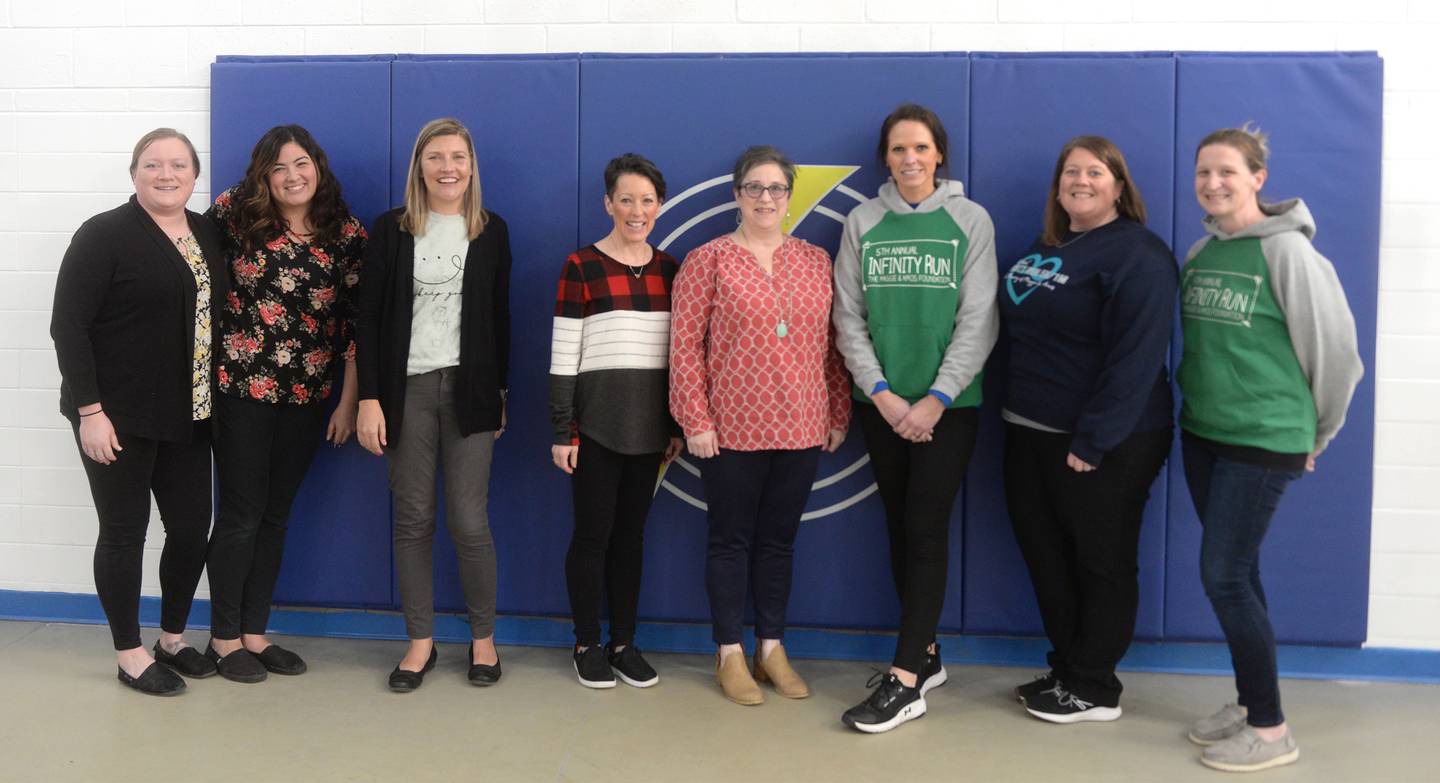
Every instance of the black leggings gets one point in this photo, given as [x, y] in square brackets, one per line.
[179, 476]
[918, 483]
[1080, 535]
[612, 493]
[262, 451]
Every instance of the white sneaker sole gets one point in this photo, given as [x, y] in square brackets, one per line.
[599, 686]
[635, 683]
[1094, 714]
[940, 678]
[1278, 761]
[912, 711]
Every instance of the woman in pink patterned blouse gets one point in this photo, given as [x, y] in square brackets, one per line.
[293, 250]
[759, 389]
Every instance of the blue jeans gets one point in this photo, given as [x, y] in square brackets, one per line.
[1236, 501]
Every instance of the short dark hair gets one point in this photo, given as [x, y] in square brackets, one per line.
[914, 112]
[640, 166]
[759, 155]
[1130, 204]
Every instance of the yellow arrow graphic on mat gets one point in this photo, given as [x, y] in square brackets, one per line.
[812, 184]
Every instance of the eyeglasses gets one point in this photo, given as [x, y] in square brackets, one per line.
[776, 191]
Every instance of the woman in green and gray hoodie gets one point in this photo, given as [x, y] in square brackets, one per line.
[915, 318]
[1269, 367]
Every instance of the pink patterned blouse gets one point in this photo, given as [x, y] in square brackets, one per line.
[752, 356]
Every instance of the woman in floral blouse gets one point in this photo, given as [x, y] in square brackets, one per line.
[294, 255]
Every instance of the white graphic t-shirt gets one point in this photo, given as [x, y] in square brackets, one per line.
[439, 274]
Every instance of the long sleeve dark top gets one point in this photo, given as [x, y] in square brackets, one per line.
[1089, 324]
[386, 307]
[123, 321]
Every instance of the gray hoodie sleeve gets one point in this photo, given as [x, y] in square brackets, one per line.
[852, 330]
[977, 319]
[1322, 328]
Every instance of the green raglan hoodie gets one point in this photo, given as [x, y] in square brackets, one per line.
[1271, 357]
[915, 295]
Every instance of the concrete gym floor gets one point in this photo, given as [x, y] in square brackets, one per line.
[66, 718]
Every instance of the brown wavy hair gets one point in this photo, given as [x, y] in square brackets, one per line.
[258, 219]
[1130, 205]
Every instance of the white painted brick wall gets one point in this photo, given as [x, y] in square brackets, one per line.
[80, 80]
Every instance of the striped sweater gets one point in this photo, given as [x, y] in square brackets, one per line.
[609, 353]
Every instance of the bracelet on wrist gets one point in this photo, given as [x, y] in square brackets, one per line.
[92, 413]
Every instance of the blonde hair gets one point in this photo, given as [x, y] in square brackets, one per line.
[1252, 143]
[417, 205]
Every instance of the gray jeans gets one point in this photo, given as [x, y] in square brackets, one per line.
[430, 430]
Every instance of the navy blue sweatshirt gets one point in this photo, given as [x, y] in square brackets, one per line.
[1089, 323]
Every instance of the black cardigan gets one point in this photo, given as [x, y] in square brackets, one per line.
[382, 323]
[124, 321]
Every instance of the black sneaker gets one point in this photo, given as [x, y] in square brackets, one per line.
[591, 668]
[1058, 705]
[1028, 691]
[630, 666]
[932, 674]
[888, 706]
[187, 661]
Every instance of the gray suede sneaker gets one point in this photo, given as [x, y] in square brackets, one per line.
[1224, 724]
[1246, 752]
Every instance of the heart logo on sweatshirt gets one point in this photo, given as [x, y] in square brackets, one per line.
[1034, 271]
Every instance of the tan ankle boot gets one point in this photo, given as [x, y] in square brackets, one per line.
[735, 680]
[775, 669]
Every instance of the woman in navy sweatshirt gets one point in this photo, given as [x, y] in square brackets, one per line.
[1088, 314]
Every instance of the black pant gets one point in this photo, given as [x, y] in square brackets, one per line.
[1080, 535]
[179, 476]
[918, 483]
[755, 500]
[262, 451]
[612, 494]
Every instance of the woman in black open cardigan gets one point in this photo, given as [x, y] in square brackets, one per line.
[137, 379]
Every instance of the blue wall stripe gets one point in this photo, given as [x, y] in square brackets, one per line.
[1296, 661]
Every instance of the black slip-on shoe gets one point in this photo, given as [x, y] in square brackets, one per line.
[156, 680]
[404, 681]
[483, 673]
[630, 666]
[592, 669]
[278, 660]
[238, 666]
[188, 661]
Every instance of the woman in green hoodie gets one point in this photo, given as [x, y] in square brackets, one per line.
[1269, 367]
[915, 318]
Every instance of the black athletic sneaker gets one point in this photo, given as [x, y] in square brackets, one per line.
[1058, 705]
[591, 668]
[1030, 690]
[932, 674]
[888, 706]
[629, 665]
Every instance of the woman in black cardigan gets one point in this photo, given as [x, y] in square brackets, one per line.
[132, 329]
[432, 350]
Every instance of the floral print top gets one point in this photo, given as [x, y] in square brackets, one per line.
[189, 248]
[291, 304]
